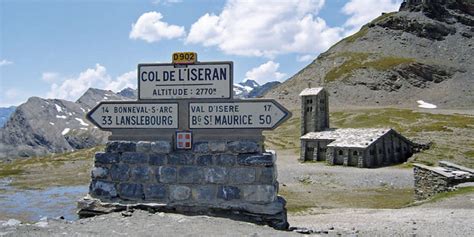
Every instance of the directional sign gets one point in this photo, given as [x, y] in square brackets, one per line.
[132, 114]
[194, 81]
[258, 114]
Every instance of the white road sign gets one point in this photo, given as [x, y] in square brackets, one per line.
[258, 114]
[195, 81]
[131, 114]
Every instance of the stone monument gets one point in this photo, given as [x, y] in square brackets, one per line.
[187, 146]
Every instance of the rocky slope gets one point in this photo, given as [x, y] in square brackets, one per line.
[41, 126]
[423, 52]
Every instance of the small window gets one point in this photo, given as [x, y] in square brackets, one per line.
[340, 152]
[322, 149]
[310, 109]
[355, 153]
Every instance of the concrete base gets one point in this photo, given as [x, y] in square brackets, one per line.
[273, 214]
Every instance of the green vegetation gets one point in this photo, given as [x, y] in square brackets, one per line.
[285, 137]
[302, 200]
[445, 195]
[65, 169]
[357, 60]
[403, 120]
[353, 61]
[359, 34]
[451, 134]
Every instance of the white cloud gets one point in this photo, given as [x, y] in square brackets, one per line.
[5, 62]
[305, 58]
[264, 73]
[150, 28]
[12, 96]
[49, 76]
[12, 93]
[363, 11]
[253, 28]
[73, 88]
[166, 2]
[128, 79]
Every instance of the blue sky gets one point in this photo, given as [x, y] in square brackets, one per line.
[58, 49]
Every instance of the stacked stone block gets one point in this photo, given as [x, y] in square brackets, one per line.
[214, 172]
[235, 175]
[430, 181]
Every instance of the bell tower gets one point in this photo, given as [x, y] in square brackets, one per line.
[314, 110]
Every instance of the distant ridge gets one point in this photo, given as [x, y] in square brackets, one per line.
[40, 126]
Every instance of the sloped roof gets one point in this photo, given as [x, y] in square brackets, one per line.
[311, 91]
[348, 137]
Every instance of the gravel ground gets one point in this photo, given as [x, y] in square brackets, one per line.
[439, 219]
[290, 171]
[449, 217]
[445, 218]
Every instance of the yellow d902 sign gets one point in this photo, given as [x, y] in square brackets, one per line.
[184, 58]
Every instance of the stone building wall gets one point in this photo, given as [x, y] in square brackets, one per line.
[227, 175]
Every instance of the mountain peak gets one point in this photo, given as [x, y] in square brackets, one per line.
[423, 52]
[250, 83]
[447, 11]
[128, 92]
[93, 95]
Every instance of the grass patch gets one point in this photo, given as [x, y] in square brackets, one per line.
[286, 136]
[356, 60]
[303, 199]
[9, 172]
[469, 153]
[71, 168]
[359, 34]
[445, 195]
[353, 61]
[403, 120]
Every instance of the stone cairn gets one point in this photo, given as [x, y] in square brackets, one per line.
[233, 179]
